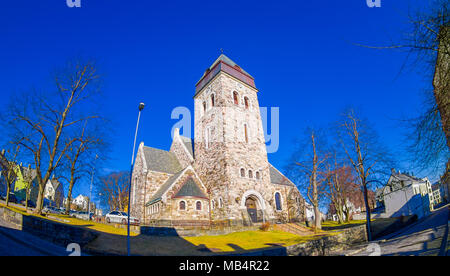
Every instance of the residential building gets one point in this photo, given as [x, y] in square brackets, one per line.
[405, 194]
[54, 192]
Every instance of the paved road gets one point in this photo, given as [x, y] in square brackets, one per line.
[14, 242]
[423, 238]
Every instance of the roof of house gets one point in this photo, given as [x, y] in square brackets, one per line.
[190, 188]
[276, 177]
[161, 160]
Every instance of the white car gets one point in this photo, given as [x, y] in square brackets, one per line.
[120, 217]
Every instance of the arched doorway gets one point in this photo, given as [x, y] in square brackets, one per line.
[253, 203]
[252, 208]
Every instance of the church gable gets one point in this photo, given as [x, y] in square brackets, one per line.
[182, 148]
[190, 189]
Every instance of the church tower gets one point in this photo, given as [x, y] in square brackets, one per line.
[230, 151]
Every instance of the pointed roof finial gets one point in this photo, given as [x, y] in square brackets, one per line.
[221, 50]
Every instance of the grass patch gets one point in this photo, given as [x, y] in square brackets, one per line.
[64, 219]
[250, 240]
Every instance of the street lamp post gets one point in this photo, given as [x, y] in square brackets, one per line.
[141, 107]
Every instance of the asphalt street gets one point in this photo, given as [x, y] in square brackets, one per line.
[423, 238]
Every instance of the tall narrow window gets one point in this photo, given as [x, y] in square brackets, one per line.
[220, 203]
[257, 175]
[250, 174]
[236, 98]
[278, 201]
[242, 173]
[246, 133]
[198, 206]
[212, 100]
[204, 107]
[246, 103]
[182, 205]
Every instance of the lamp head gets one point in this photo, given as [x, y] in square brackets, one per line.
[141, 106]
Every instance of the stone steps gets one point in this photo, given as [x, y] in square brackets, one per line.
[294, 229]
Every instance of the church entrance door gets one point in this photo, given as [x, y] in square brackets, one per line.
[250, 203]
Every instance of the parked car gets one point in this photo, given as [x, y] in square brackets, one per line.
[50, 210]
[120, 217]
[12, 198]
[31, 204]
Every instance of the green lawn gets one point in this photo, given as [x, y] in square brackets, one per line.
[250, 240]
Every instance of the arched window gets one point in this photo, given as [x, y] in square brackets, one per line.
[198, 205]
[257, 175]
[250, 174]
[246, 103]
[204, 107]
[182, 205]
[278, 201]
[213, 204]
[246, 133]
[220, 203]
[212, 100]
[242, 172]
[236, 98]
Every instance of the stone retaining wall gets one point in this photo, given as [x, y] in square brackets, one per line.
[320, 247]
[54, 232]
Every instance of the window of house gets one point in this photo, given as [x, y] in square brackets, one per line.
[257, 175]
[212, 100]
[220, 203]
[204, 107]
[278, 201]
[246, 103]
[246, 133]
[242, 172]
[213, 204]
[250, 174]
[182, 205]
[198, 206]
[236, 98]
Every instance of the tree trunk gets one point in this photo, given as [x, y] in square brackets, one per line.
[366, 201]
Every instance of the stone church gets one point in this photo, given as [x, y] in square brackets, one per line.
[222, 176]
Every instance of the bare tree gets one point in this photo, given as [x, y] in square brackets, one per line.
[9, 167]
[308, 168]
[368, 157]
[114, 190]
[86, 144]
[427, 42]
[38, 122]
[341, 188]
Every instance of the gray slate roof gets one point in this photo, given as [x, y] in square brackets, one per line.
[190, 188]
[158, 195]
[277, 178]
[161, 160]
[189, 143]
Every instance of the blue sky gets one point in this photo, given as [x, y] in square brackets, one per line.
[301, 54]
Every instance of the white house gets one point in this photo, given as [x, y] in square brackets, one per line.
[405, 194]
[309, 213]
[81, 201]
[54, 192]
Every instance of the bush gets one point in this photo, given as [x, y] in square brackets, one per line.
[265, 226]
